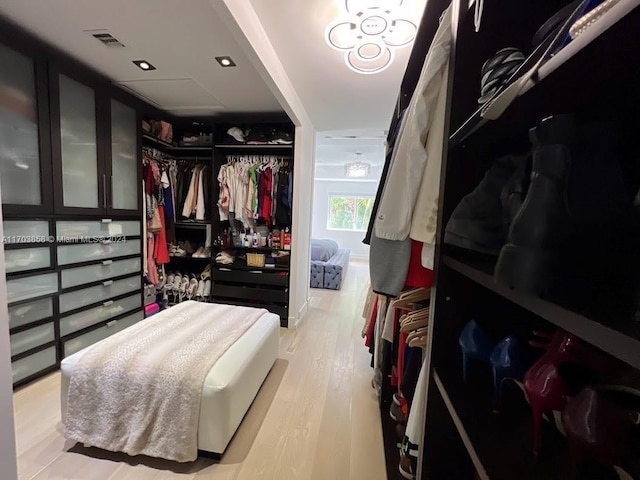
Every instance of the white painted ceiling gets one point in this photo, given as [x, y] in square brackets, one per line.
[334, 149]
[335, 97]
[179, 37]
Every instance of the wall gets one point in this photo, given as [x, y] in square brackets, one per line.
[346, 239]
[8, 444]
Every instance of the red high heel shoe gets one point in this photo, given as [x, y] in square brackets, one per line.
[598, 423]
[567, 365]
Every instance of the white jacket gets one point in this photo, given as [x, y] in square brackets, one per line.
[415, 172]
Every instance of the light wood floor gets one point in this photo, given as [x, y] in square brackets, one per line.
[315, 418]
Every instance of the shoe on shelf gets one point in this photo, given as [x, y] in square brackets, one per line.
[184, 285]
[207, 290]
[199, 253]
[200, 292]
[206, 253]
[477, 221]
[206, 273]
[279, 137]
[192, 290]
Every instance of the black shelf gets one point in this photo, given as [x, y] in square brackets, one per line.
[245, 268]
[188, 257]
[198, 225]
[618, 336]
[256, 249]
[161, 144]
[500, 444]
[488, 112]
[244, 146]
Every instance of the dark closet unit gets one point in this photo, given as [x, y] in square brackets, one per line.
[238, 283]
[70, 172]
[595, 78]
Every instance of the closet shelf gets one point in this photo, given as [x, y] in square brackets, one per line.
[161, 144]
[610, 18]
[500, 444]
[619, 337]
[197, 225]
[255, 249]
[245, 268]
[253, 147]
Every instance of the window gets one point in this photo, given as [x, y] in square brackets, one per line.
[349, 213]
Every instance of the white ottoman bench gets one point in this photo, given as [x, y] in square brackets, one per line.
[229, 388]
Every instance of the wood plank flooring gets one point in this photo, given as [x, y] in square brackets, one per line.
[315, 418]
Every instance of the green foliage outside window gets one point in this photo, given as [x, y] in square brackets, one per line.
[349, 213]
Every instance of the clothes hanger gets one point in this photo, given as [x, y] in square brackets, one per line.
[419, 295]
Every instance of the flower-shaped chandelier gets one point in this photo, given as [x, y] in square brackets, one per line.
[369, 33]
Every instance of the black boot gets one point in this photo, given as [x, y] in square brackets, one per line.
[477, 223]
[538, 233]
[577, 222]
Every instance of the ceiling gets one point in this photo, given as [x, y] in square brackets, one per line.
[334, 149]
[335, 97]
[181, 38]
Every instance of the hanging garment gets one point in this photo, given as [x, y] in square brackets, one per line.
[161, 253]
[145, 264]
[152, 270]
[283, 210]
[169, 219]
[414, 434]
[394, 216]
[223, 197]
[200, 202]
[191, 195]
[264, 192]
[394, 133]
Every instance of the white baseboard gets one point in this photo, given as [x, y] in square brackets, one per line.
[359, 257]
[295, 321]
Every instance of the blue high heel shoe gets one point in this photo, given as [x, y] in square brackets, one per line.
[475, 345]
[510, 360]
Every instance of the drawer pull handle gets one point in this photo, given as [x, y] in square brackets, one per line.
[111, 323]
[107, 220]
[108, 303]
[107, 283]
[107, 262]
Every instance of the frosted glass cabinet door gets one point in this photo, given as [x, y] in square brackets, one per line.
[78, 141]
[19, 149]
[124, 161]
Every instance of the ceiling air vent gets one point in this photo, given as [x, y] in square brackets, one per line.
[105, 37]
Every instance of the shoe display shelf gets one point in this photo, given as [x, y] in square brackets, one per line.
[595, 78]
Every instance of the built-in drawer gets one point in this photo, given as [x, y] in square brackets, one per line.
[99, 293]
[29, 287]
[251, 293]
[25, 231]
[95, 273]
[101, 229]
[82, 341]
[23, 259]
[239, 276]
[32, 338]
[33, 364]
[110, 309]
[78, 253]
[30, 312]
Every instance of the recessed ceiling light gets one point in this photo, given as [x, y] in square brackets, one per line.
[226, 61]
[144, 65]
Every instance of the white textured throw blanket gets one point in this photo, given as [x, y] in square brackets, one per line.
[139, 390]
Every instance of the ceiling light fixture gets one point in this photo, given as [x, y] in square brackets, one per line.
[357, 169]
[144, 65]
[369, 33]
[226, 61]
